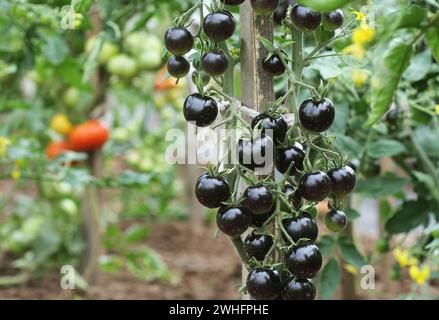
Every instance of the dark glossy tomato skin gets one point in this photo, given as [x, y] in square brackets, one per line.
[212, 191]
[298, 289]
[304, 226]
[200, 109]
[343, 180]
[286, 156]
[234, 2]
[273, 65]
[258, 199]
[305, 19]
[178, 67]
[316, 116]
[281, 11]
[255, 154]
[315, 186]
[264, 7]
[179, 41]
[233, 221]
[293, 195]
[333, 20]
[336, 220]
[215, 63]
[219, 26]
[354, 164]
[304, 261]
[263, 284]
[257, 245]
[277, 124]
[259, 219]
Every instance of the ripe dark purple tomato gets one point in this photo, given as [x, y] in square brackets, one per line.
[273, 64]
[298, 289]
[281, 11]
[315, 186]
[290, 156]
[264, 7]
[214, 63]
[178, 67]
[255, 154]
[316, 116]
[258, 199]
[304, 261]
[211, 191]
[234, 2]
[259, 219]
[333, 20]
[219, 26]
[277, 124]
[305, 19]
[293, 195]
[354, 164]
[263, 284]
[302, 227]
[233, 221]
[336, 220]
[343, 180]
[257, 245]
[179, 41]
[202, 110]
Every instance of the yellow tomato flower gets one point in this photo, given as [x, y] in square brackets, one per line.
[351, 269]
[359, 77]
[419, 275]
[77, 20]
[436, 108]
[402, 256]
[60, 123]
[363, 34]
[234, 52]
[359, 16]
[355, 50]
[4, 144]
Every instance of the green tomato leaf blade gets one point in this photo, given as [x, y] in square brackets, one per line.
[330, 279]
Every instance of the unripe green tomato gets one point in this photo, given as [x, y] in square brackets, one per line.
[133, 157]
[137, 43]
[160, 100]
[323, 5]
[108, 51]
[120, 134]
[69, 206]
[149, 60]
[31, 227]
[382, 245]
[123, 66]
[71, 97]
[63, 188]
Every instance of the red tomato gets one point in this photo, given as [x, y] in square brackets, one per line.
[57, 148]
[166, 84]
[89, 136]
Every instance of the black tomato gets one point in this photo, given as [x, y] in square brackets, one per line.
[315, 186]
[212, 191]
[304, 261]
[179, 41]
[202, 110]
[291, 156]
[264, 7]
[258, 199]
[273, 64]
[178, 67]
[233, 221]
[302, 227]
[255, 154]
[316, 116]
[343, 180]
[219, 26]
[257, 245]
[293, 195]
[234, 2]
[277, 124]
[215, 63]
[305, 19]
[354, 164]
[392, 116]
[259, 219]
[263, 284]
[336, 220]
[298, 289]
[333, 20]
[372, 169]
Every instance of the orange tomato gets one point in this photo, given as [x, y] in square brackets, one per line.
[168, 83]
[57, 148]
[89, 136]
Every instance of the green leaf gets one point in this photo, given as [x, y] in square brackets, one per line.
[348, 145]
[385, 148]
[428, 137]
[385, 209]
[432, 36]
[330, 279]
[326, 245]
[419, 67]
[352, 214]
[381, 186]
[350, 253]
[324, 5]
[267, 43]
[410, 16]
[136, 233]
[386, 76]
[411, 215]
[54, 49]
